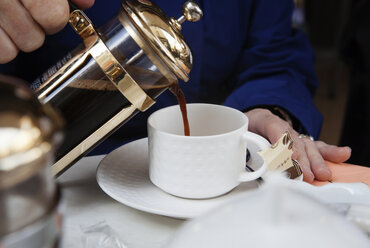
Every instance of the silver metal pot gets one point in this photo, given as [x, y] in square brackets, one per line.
[29, 197]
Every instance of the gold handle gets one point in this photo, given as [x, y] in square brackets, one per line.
[81, 24]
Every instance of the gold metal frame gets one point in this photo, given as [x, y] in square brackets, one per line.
[61, 164]
[116, 73]
[171, 56]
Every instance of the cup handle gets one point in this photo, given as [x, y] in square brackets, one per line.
[257, 141]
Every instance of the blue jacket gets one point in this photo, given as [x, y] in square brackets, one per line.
[245, 54]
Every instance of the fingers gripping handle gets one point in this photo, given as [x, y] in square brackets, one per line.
[258, 143]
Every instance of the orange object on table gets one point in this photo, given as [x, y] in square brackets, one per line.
[347, 173]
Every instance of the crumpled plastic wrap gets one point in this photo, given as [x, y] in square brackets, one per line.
[100, 235]
[278, 214]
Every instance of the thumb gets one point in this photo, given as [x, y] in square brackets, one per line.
[83, 4]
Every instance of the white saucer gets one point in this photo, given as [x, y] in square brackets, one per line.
[124, 175]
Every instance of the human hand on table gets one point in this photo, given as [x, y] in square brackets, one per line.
[310, 154]
[24, 23]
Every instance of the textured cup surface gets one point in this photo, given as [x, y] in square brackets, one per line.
[206, 164]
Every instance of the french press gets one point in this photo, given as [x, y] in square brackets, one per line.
[119, 70]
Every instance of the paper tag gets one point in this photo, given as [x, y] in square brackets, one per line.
[279, 157]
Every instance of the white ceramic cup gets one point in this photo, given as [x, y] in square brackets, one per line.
[209, 162]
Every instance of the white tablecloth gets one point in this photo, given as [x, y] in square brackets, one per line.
[85, 204]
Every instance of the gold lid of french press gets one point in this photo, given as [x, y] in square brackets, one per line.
[163, 33]
[27, 134]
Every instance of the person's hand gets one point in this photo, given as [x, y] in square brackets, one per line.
[310, 154]
[24, 23]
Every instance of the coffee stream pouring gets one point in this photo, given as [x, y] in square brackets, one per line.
[119, 70]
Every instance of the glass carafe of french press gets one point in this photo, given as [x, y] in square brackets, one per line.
[119, 70]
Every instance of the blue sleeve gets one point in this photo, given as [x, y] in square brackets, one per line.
[276, 66]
